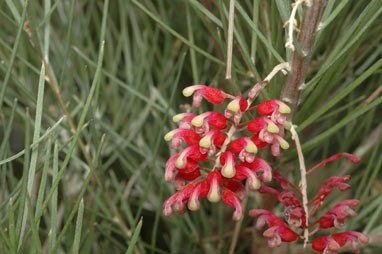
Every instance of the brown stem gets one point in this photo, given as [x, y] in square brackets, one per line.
[300, 63]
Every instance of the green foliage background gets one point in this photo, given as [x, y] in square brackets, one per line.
[54, 199]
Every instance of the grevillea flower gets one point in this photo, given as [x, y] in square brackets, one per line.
[277, 232]
[294, 212]
[211, 94]
[209, 120]
[269, 132]
[245, 148]
[260, 165]
[214, 178]
[236, 108]
[331, 244]
[276, 109]
[171, 167]
[210, 140]
[326, 189]
[336, 216]
[243, 172]
[227, 159]
[231, 200]
[176, 136]
[184, 120]
[191, 152]
[182, 177]
[234, 186]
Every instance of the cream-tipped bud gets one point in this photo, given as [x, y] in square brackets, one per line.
[205, 141]
[250, 147]
[169, 135]
[234, 106]
[188, 91]
[283, 144]
[283, 108]
[287, 125]
[178, 117]
[198, 120]
[272, 128]
[228, 170]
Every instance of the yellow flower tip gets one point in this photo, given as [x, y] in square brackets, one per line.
[188, 91]
[214, 196]
[205, 142]
[255, 184]
[287, 125]
[197, 121]
[251, 147]
[283, 144]
[272, 128]
[284, 109]
[178, 117]
[192, 205]
[169, 135]
[228, 171]
[179, 162]
[234, 106]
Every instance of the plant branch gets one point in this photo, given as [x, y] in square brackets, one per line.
[303, 185]
[300, 63]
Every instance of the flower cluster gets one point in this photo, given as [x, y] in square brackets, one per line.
[219, 152]
[296, 219]
[210, 140]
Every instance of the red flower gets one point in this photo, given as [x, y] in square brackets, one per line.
[245, 148]
[204, 122]
[176, 136]
[231, 200]
[274, 108]
[277, 232]
[171, 167]
[260, 165]
[337, 215]
[192, 152]
[208, 142]
[184, 119]
[214, 178]
[244, 173]
[236, 108]
[211, 94]
[331, 244]
[227, 159]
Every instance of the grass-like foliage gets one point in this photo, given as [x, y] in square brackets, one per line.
[88, 88]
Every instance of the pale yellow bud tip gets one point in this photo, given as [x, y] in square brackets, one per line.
[169, 136]
[284, 109]
[272, 128]
[205, 142]
[188, 91]
[197, 121]
[177, 118]
[214, 197]
[234, 106]
[251, 147]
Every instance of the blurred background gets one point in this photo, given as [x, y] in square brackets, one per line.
[88, 90]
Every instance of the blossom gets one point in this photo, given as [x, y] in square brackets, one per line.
[176, 136]
[277, 232]
[269, 132]
[337, 215]
[236, 108]
[276, 109]
[245, 148]
[184, 120]
[210, 140]
[209, 120]
[227, 159]
[211, 94]
[331, 244]
[231, 199]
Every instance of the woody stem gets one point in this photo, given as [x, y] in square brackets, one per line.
[303, 185]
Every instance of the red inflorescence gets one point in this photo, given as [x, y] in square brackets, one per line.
[209, 140]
